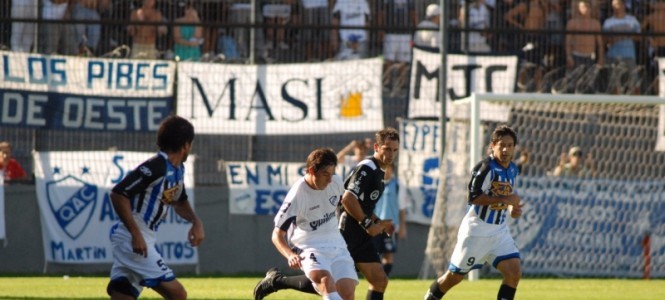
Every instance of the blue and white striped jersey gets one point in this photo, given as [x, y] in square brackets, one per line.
[151, 188]
[489, 177]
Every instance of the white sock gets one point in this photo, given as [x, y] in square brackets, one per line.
[332, 296]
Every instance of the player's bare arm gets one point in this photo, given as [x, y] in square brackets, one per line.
[279, 240]
[353, 208]
[196, 233]
[123, 208]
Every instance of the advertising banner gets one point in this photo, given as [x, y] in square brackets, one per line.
[259, 188]
[76, 211]
[79, 93]
[312, 98]
[466, 74]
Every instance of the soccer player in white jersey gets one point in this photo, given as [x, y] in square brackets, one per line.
[141, 200]
[316, 245]
[483, 235]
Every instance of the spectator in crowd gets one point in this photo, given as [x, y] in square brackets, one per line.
[621, 48]
[655, 23]
[87, 35]
[276, 16]
[359, 148]
[9, 165]
[573, 165]
[351, 13]
[427, 34]
[396, 15]
[212, 11]
[530, 15]
[555, 22]
[390, 207]
[503, 42]
[52, 36]
[144, 37]
[23, 33]
[114, 35]
[584, 49]
[188, 37]
[351, 49]
[315, 13]
[479, 21]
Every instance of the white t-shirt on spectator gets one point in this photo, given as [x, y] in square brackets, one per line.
[352, 13]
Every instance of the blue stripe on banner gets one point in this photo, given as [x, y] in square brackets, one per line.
[76, 112]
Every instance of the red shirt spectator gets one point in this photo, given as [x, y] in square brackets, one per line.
[12, 169]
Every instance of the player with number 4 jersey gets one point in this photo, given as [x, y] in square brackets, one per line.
[316, 245]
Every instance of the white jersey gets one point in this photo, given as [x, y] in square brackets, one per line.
[312, 213]
[352, 13]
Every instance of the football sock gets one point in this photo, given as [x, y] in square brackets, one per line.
[374, 295]
[299, 283]
[435, 291]
[387, 268]
[332, 296]
[506, 293]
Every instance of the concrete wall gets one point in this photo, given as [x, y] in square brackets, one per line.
[235, 244]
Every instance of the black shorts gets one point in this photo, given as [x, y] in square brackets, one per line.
[359, 243]
[384, 243]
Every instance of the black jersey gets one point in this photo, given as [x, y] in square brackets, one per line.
[366, 182]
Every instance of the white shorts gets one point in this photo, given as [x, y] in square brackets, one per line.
[397, 47]
[141, 271]
[336, 260]
[471, 252]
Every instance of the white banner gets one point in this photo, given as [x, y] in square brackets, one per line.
[311, 98]
[660, 139]
[76, 211]
[77, 93]
[86, 76]
[259, 188]
[419, 169]
[466, 74]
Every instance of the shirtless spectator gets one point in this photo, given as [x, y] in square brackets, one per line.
[583, 49]
[145, 36]
[87, 36]
[531, 15]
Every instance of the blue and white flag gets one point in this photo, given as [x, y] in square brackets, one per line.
[76, 211]
[79, 93]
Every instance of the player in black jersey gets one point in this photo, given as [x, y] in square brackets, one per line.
[358, 224]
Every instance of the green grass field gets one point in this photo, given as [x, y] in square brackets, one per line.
[241, 288]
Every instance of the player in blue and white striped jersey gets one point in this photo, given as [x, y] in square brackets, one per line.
[483, 235]
[310, 209]
[141, 201]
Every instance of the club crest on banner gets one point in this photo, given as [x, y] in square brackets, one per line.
[72, 202]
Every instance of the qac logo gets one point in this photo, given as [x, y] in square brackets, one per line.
[72, 202]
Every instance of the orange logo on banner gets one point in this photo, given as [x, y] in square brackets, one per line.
[352, 105]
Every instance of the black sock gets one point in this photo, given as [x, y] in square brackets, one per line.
[374, 295]
[435, 291]
[506, 293]
[299, 283]
[387, 268]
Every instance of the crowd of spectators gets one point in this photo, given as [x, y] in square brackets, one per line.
[548, 35]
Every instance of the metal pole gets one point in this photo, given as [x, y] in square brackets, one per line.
[443, 80]
[252, 32]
